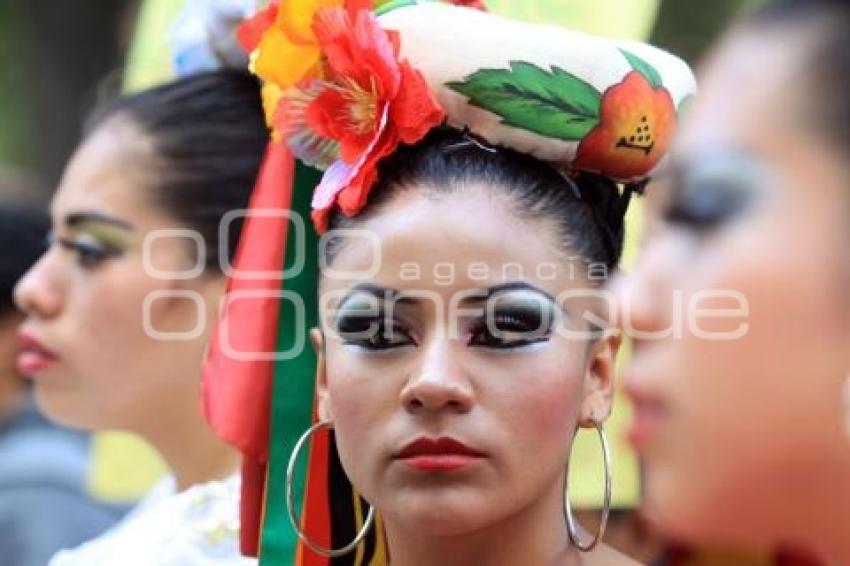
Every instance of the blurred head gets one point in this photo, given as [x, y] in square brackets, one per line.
[22, 232]
[117, 308]
[453, 319]
[739, 303]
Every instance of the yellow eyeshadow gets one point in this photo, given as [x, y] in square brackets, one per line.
[114, 238]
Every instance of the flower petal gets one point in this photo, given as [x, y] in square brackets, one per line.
[326, 114]
[415, 111]
[296, 17]
[333, 181]
[353, 197]
[348, 186]
[250, 32]
[282, 62]
[293, 121]
[358, 49]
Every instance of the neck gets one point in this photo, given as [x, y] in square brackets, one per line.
[193, 453]
[13, 396]
[534, 535]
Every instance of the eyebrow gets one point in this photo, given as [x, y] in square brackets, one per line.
[77, 219]
[400, 297]
[376, 291]
[506, 288]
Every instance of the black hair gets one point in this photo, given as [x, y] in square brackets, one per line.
[23, 230]
[209, 137]
[828, 63]
[586, 210]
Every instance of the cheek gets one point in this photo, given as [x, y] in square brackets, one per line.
[535, 399]
[363, 397]
[112, 311]
[111, 337]
[734, 398]
[8, 347]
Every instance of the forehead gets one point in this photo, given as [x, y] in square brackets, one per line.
[470, 238]
[106, 174]
[751, 89]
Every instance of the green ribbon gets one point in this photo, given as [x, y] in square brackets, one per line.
[294, 378]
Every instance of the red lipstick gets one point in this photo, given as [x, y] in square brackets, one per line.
[648, 417]
[438, 455]
[33, 357]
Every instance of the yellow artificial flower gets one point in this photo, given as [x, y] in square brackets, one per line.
[289, 51]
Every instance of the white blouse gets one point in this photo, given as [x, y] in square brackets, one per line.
[198, 526]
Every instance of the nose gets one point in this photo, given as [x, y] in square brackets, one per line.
[37, 292]
[439, 383]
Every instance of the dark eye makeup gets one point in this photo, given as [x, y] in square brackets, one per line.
[712, 191]
[88, 250]
[510, 319]
[514, 320]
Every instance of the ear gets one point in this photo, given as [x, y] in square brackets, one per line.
[599, 380]
[323, 403]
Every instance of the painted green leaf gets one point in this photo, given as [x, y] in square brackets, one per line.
[388, 7]
[644, 68]
[554, 103]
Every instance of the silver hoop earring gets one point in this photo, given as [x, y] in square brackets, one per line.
[290, 506]
[606, 508]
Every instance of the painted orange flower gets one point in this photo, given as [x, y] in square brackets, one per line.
[637, 124]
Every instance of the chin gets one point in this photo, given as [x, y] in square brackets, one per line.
[436, 517]
[62, 409]
[700, 516]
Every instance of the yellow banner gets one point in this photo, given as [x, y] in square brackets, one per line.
[632, 19]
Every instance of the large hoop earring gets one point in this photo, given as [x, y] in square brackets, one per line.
[606, 507]
[290, 506]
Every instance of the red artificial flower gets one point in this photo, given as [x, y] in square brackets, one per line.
[368, 103]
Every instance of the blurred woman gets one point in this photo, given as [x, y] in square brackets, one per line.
[117, 307]
[739, 305]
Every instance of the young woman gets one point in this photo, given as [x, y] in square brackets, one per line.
[117, 306]
[451, 377]
[742, 416]
[471, 211]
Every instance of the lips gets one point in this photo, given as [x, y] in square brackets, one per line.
[33, 357]
[648, 417]
[439, 455]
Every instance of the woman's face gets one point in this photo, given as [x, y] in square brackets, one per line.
[94, 306]
[448, 373]
[739, 302]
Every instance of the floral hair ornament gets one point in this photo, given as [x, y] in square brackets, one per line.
[355, 85]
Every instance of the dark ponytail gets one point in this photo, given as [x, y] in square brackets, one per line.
[209, 137]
